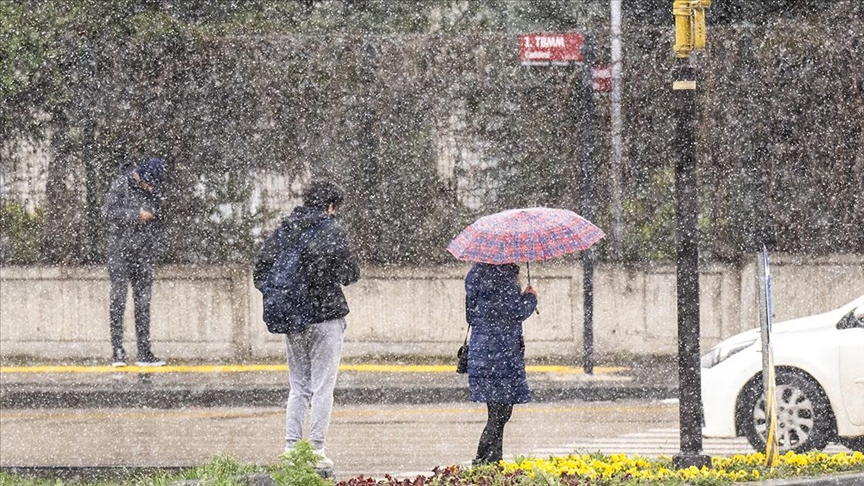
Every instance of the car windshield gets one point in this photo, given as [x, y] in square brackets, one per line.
[854, 319]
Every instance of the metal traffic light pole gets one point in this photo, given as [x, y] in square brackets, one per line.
[689, 36]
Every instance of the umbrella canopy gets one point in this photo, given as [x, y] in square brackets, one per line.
[524, 235]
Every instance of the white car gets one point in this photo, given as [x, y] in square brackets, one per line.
[819, 363]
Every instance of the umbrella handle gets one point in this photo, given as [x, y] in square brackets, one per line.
[528, 270]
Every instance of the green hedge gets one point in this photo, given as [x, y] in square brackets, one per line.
[779, 131]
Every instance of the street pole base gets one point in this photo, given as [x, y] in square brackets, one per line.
[683, 460]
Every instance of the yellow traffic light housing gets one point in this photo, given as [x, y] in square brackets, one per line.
[689, 25]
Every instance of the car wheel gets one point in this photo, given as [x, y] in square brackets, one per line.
[854, 443]
[804, 417]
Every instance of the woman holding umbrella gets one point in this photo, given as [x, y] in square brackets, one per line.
[495, 308]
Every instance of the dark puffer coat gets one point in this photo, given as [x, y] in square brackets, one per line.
[327, 261]
[130, 239]
[496, 308]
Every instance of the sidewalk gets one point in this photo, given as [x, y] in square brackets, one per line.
[179, 385]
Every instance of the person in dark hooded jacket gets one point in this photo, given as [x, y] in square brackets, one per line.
[495, 307]
[132, 211]
[328, 263]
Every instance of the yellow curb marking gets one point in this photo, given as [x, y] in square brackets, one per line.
[107, 414]
[141, 369]
[375, 368]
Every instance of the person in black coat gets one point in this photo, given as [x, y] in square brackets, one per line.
[314, 352]
[495, 307]
[132, 211]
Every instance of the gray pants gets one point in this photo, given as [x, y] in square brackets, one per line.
[313, 362]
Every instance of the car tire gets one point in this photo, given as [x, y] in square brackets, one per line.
[804, 417]
[853, 443]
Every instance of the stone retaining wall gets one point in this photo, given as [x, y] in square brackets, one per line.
[214, 313]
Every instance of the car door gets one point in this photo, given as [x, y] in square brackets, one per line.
[851, 329]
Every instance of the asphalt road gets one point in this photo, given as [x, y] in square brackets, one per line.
[370, 440]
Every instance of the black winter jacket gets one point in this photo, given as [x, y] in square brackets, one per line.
[130, 239]
[327, 261]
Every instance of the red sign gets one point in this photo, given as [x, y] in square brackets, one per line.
[546, 49]
[602, 78]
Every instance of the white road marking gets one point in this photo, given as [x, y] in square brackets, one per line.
[656, 442]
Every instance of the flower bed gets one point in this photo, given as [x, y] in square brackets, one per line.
[619, 469]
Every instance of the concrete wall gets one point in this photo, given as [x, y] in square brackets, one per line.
[213, 313]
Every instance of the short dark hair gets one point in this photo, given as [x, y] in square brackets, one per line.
[321, 194]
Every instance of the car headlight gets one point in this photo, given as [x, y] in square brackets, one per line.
[722, 352]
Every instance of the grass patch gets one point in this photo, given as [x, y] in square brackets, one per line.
[296, 467]
[221, 470]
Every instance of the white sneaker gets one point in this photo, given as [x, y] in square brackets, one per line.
[325, 462]
[118, 358]
[149, 360]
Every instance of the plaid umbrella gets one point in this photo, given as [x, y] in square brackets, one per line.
[524, 235]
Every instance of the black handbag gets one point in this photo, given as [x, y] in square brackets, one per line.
[462, 355]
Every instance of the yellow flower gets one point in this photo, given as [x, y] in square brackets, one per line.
[736, 468]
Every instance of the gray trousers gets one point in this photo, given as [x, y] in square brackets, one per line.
[313, 363]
